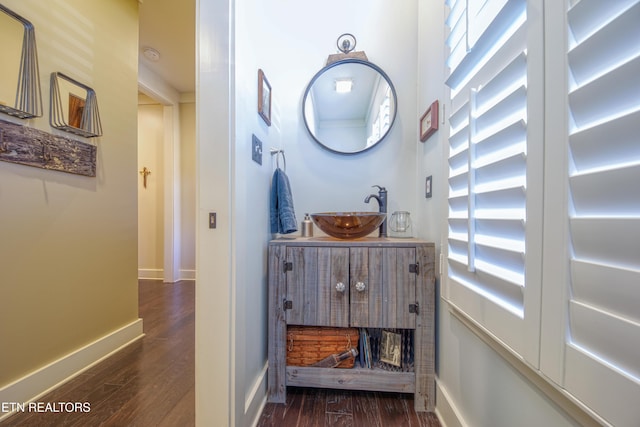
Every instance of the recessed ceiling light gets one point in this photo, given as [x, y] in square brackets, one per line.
[344, 85]
[151, 54]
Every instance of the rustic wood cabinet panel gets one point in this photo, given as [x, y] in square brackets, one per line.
[367, 283]
[383, 287]
[311, 286]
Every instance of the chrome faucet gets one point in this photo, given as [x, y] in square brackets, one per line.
[382, 207]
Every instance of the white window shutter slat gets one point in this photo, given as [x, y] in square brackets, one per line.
[600, 192]
[606, 49]
[619, 296]
[588, 16]
[609, 240]
[617, 93]
[619, 135]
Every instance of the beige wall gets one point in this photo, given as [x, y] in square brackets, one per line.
[151, 199]
[68, 243]
[11, 32]
[188, 189]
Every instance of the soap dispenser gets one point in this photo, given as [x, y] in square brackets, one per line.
[307, 226]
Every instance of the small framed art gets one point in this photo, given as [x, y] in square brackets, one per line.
[264, 97]
[391, 348]
[429, 121]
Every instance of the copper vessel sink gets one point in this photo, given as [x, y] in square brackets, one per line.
[348, 225]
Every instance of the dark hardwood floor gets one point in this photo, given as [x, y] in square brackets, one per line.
[149, 383]
[336, 408]
[152, 382]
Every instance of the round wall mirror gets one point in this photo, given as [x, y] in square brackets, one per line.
[349, 106]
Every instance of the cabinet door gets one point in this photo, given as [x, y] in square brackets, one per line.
[318, 286]
[382, 287]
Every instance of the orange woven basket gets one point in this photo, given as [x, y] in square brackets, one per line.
[307, 345]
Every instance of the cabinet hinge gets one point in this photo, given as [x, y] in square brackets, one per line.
[287, 266]
[413, 268]
[414, 308]
[287, 304]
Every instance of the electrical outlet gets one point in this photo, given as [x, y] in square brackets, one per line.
[256, 150]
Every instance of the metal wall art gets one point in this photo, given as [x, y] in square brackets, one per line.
[74, 107]
[28, 97]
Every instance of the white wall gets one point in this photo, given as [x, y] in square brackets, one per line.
[252, 184]
[321, 180]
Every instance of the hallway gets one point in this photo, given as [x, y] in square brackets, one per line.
[149, 383]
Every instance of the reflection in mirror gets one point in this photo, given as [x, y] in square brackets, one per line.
[20, 94]
[74, 107]
[349, 106]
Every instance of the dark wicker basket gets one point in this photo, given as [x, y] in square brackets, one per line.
[307, 345]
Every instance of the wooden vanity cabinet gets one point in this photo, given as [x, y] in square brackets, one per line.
[372, 283]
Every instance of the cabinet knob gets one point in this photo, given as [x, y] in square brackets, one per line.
[340, 287]
[360, 286]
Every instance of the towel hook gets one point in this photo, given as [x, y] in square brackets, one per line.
[275, 152]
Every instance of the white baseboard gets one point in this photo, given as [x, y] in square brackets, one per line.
[187, 275]
[256, 398]
[446, 410]
[45, 379]
[158, 274]
[151, 273]
[256, 418]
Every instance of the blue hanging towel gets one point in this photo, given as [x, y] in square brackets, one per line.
[282, 215]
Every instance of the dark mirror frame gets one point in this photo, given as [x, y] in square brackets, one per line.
[333, 65]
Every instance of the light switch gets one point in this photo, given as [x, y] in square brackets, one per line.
[212, 220]
[256, 150]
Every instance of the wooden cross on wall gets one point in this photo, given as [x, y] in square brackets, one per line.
[145, 172]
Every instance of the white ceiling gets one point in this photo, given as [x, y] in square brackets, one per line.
[168, 26]
[355, 105]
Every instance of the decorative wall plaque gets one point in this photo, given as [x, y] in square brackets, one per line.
[33, 147]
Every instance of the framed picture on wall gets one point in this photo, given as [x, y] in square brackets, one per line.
[429, 121]
[264, 98]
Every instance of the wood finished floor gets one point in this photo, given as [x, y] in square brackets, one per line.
[342, 408]
[149, 383]
[152, 382]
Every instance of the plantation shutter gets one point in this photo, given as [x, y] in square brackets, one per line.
[495, 141]
[602, 354]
